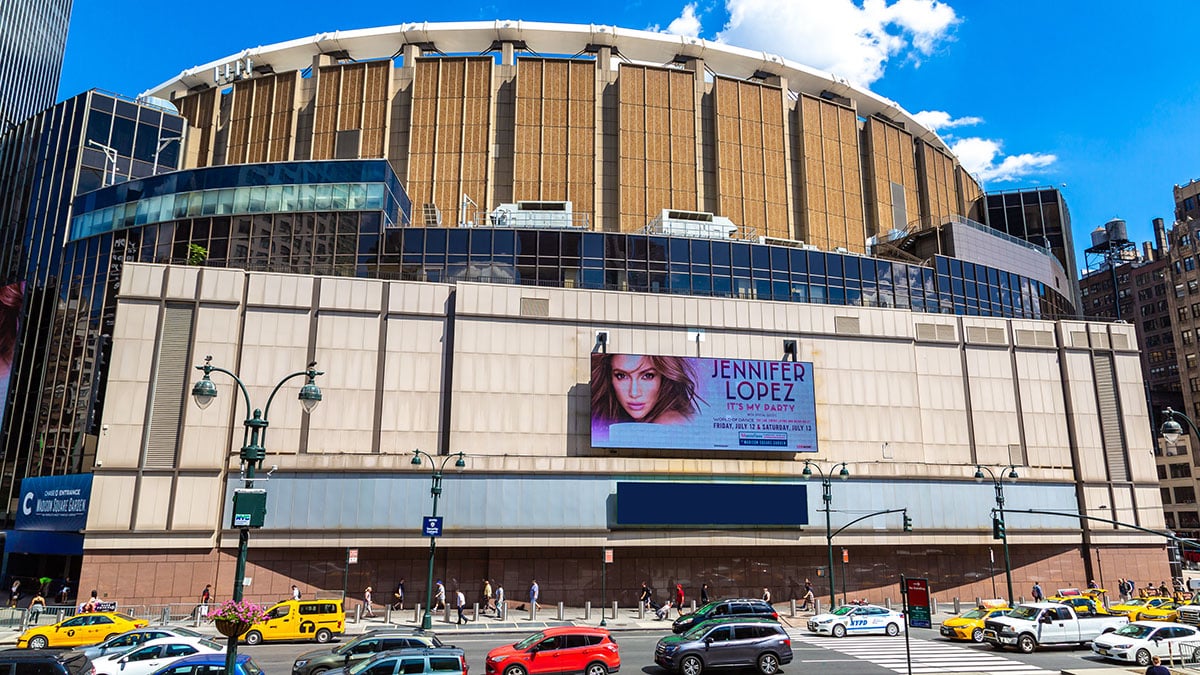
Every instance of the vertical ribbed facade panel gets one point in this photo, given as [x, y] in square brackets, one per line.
[33, 37]
[891, 169]
[657, 156]
[750, 159]
[937, 185]
[832, 213]
[555, 135]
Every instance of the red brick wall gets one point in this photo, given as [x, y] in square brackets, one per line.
[573, 575]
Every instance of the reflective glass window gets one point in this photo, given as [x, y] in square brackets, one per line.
[741, 255]
[122, 136]
[258, 200]
[306, 197]
[274, 196]
[481, 243]
[816, 263]
[98, 127]
[208, 206]
[435, 241]
[700, 252]
[340, 197]
[357, 199]
[195, 202]
[225, 201]
[145, 142]
[779, 260]
[760, 257]
[834, 266]
[721, 254]
[504, 243]
[324, 197]
[593, 245]
[374, 196]
[679, 251]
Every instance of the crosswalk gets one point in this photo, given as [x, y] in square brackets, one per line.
[927, 657]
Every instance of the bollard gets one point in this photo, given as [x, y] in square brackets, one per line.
[816, 606]
[446, 614]
[62, 614]
[693, 606]
[887, 602]
[561, 614]
[196, 617]
[533, 611]
[957, 606]
[587, 611]
[614, 610]
[387, 614]
[358, 613]
[165, 615]
[475, 615]
[502, 610]
[978, 602]
[1021, 599]
[641, 610]
[417, 614]
[793, 608]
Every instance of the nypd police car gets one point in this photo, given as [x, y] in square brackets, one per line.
[855, 619]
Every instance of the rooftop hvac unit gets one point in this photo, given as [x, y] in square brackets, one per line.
[695, 224]
[776, 241]
[535, 214]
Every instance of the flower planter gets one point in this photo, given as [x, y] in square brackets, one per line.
[230, 628]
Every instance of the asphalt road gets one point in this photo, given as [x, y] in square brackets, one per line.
[865, 655]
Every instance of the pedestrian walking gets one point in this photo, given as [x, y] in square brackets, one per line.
[398, 596]
[14, 593]
[295, 592]
[367, 602]
[809, 599]
[534, 593]
[501, 607]
[645, 596]
[487, 595]
[439, 595]
[461, 601]
[205, 598]
[1038, 596]
[36, 607]
[679, 599]
[64, 593]
[703, 594]
[766, 596]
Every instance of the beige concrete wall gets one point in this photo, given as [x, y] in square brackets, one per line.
[894, 399]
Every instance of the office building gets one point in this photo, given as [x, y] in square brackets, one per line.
[33, 38]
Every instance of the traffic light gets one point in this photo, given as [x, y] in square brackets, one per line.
[997, 528]
[907, 522]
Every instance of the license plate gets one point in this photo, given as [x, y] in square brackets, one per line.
[1102, 651]
[989, 633]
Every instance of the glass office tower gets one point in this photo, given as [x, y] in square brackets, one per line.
[33, 37]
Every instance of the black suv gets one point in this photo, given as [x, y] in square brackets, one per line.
[360, 648]
[37, 662]
[737, 607]
[726, 643]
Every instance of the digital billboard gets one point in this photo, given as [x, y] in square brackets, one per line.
[10, 312]
[686, 403]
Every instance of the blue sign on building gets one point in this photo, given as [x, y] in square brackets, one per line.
[432, 526]
[55, 503]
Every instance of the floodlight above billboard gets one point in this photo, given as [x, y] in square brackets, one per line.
[685, 403]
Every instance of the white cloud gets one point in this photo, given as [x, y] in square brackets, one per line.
[983, 158]
[937, 120]
[850, 40]
[687, 23]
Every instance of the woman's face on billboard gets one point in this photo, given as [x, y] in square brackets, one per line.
[636, 382]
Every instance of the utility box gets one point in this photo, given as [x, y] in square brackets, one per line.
[249, 507]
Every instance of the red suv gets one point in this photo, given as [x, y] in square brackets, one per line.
[567, 649]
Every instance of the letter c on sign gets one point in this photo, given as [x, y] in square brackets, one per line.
[25, 504]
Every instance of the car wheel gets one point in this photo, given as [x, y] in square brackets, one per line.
[323, 635]
[253, 637]
[514, 670]
[317, 671]
[109, 637]
[977, 635]
[691, 665]
[597, 668]
[1142, 657]
[1026, 644]
[38, 642]
[893, 629]
[839, 631]
[768, 664]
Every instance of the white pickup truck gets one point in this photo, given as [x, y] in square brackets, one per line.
[1047, 623]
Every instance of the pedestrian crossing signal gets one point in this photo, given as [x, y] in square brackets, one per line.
[997, 528]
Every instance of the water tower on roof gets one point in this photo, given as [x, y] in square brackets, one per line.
[1110, 247]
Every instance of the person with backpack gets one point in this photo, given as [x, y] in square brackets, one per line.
[1038, 596]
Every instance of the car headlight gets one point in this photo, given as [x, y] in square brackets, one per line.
[670, 648]
[1122, 646]
[1007, 629]
[822, 622]
[495, 659]
[300, 664]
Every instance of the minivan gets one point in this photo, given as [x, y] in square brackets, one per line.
[316, 620]
[739, 607]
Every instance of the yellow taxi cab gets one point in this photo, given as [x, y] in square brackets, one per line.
[969, 624]
[1087, 603]
[1134, 607]
[1167, 611]
[317, 620]
[79, 630]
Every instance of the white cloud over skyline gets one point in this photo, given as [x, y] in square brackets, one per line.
[687, 23]
[983, 158]
[938, 120]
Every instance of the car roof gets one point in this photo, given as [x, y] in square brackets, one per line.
[213, 657]
[1162, 624]
[573, 630]
[722, 620]
[874, 606]
[419, 651]
[14, 654]
[394, 632]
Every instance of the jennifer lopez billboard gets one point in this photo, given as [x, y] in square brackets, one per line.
[683, 403]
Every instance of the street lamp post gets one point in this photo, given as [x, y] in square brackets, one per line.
[204, 392]
[436, 491]
[998, 484]
[827, 497]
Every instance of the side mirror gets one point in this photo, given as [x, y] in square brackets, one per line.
[708, 641]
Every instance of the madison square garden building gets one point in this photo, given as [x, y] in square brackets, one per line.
[637, 279]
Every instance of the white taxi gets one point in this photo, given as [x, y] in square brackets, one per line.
[857, 619]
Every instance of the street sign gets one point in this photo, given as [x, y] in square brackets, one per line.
[352, 556]
[608, 555]
[845, 555]
[432, 526]
[917, 598]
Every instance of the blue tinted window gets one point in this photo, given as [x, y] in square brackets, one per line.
[699, 253]
[816, 263]
[760, 256]
[593, 245]
[741, 255]
[720, 253]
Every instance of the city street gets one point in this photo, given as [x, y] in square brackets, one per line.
[865, 655]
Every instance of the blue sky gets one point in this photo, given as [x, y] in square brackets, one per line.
[1099, 98]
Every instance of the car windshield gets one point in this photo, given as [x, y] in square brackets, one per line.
[696, 632]
[347, 647]
[1135, 631]
[1135, 602]
[186, 632]
[844, 610]
[360, 666]
[210, 644]
[706, 608]
[1025, 612]
[530, 641]
[975, 614]
[124, 617]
